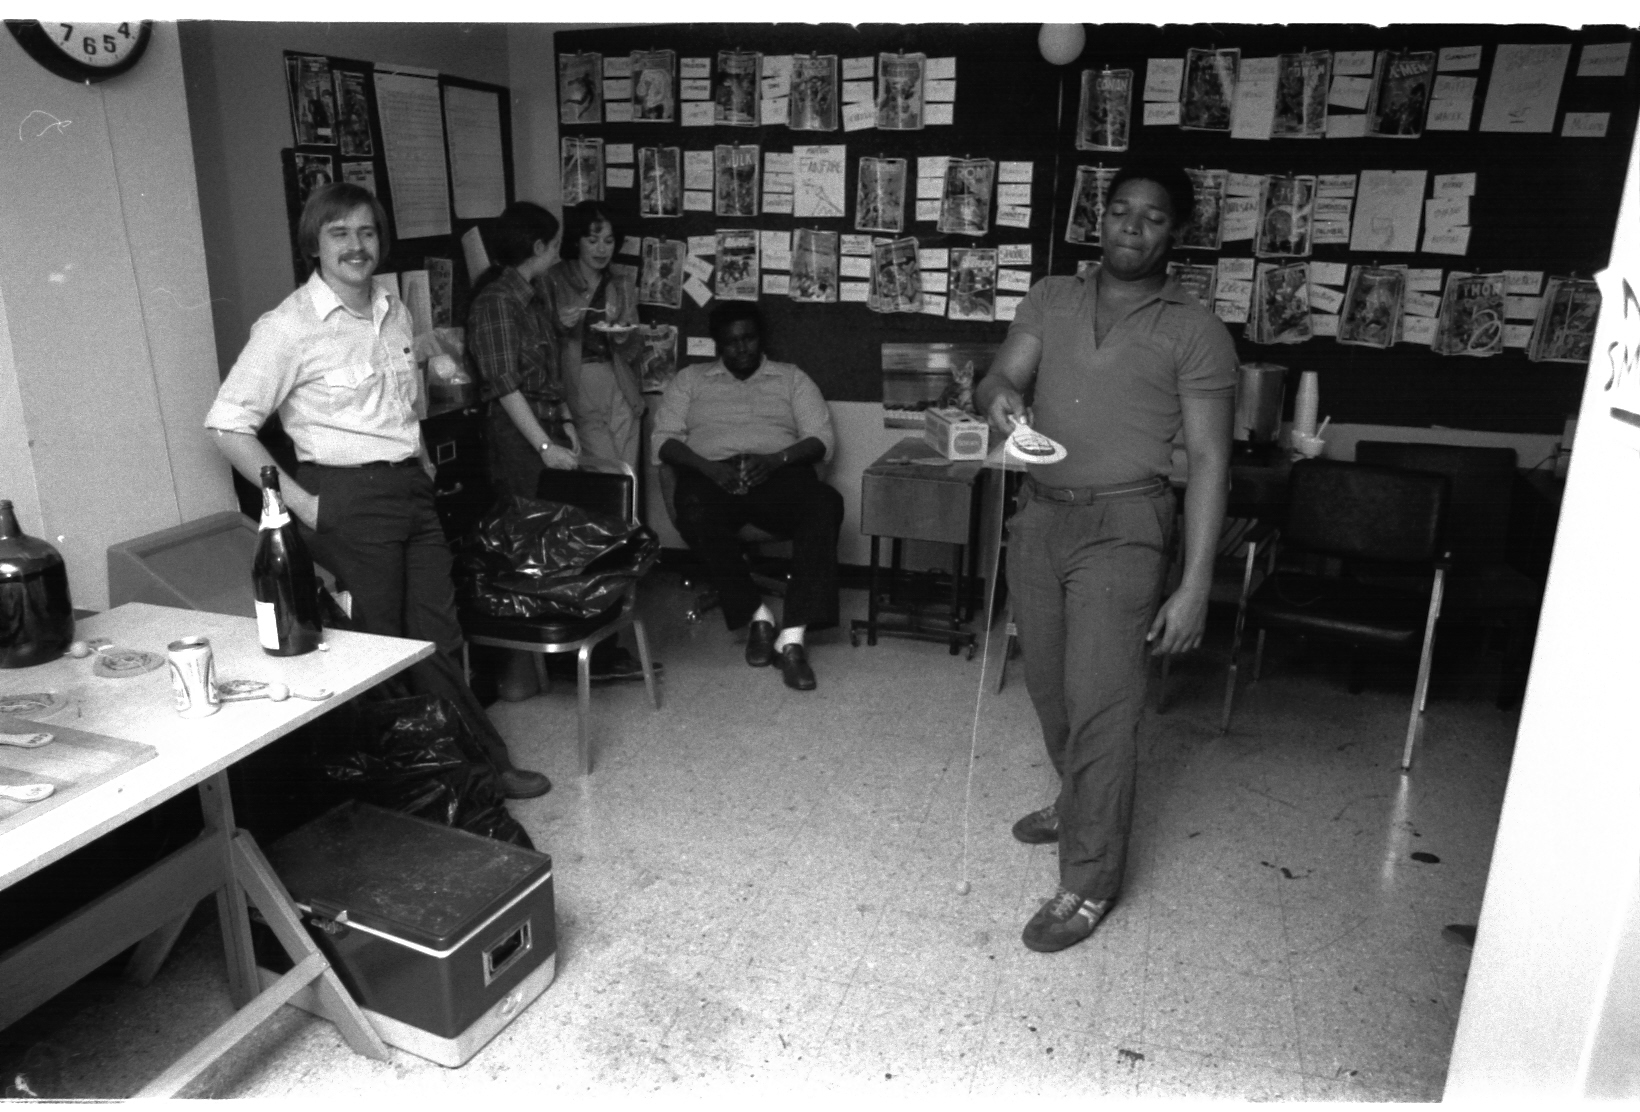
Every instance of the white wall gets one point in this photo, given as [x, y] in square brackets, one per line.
[1555, 977]
[106, 363]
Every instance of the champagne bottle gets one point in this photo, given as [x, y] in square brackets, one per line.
[287, 592]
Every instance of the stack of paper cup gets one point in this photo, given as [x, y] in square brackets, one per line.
[1307, 405]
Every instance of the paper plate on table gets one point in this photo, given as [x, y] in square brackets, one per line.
[605, 326]
[32, 704]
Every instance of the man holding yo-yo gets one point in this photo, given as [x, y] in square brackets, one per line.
[1120, 362]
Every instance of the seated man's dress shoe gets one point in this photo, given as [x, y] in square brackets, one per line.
[794, 668]
[760, 644]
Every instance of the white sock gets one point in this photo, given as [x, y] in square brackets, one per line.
[791, 635]
[764, 614]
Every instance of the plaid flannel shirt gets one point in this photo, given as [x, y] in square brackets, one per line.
[510, 343]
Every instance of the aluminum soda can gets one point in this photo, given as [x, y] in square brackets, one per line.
[193, 676]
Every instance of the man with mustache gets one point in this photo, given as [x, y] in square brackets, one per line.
[334, 360]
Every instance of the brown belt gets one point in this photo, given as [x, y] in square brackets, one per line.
[1083, 496]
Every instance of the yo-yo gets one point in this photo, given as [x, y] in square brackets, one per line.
[1029, 446]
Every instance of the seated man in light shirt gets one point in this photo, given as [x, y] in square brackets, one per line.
[743, 435]
[334, 360]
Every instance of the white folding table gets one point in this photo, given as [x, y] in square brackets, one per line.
[151, 908]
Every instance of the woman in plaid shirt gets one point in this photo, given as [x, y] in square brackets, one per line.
[513, 353]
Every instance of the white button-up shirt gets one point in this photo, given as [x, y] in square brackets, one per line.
[347, 389]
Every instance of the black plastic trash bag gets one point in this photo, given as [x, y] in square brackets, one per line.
[532, 559]
[417, 755]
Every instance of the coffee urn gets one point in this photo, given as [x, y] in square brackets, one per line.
[1259, 396]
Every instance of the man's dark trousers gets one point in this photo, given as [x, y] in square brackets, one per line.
[1085, 582]
[379, 534]
[792, 502]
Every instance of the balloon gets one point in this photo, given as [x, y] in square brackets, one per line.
[1061, 43]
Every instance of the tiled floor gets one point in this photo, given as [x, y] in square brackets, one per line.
[757, 889]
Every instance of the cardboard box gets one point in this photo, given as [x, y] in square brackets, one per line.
[956, 434]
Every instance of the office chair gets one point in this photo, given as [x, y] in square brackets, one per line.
[1354, 540]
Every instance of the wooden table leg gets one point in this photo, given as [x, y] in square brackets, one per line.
[217, 806]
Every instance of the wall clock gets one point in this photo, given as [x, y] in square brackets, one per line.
[83, 51]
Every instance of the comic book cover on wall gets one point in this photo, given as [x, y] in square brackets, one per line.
[896, 279]
[1209, 89]
[312, 171]
[737, 180]
[581, 88]
[312, 99]
[1371, 313]
[657, 359]
[355, 115]
[654, 90]
[1197, 278]
[660, 280]
[1203, 233]
[813, 103]
[1472, 315]
[583, 169]
[1281, 310]
[1401, 85]
[1088, 204]
[660, 186]
[735, 98]
[900, 91]
[1105, 115]
[1564, 330]
[1286, 218]
[737, 270]
[1301, 95]
[880, 196]
[973, 284]
[965, 203]
[441, 275]
[814, 266]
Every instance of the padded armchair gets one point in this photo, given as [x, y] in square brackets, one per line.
[1359, 561]
[611, 489]
[1483, 587]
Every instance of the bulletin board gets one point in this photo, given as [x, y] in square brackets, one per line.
[1544, 202]
[344, 143]
[1005, 110]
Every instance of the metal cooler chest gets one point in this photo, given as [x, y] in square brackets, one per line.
[442, 936]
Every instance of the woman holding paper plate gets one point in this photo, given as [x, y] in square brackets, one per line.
[596, 311]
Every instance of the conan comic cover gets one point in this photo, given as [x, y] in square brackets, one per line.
[1106, 113]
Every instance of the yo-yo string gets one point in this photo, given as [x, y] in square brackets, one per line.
[984, 661]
